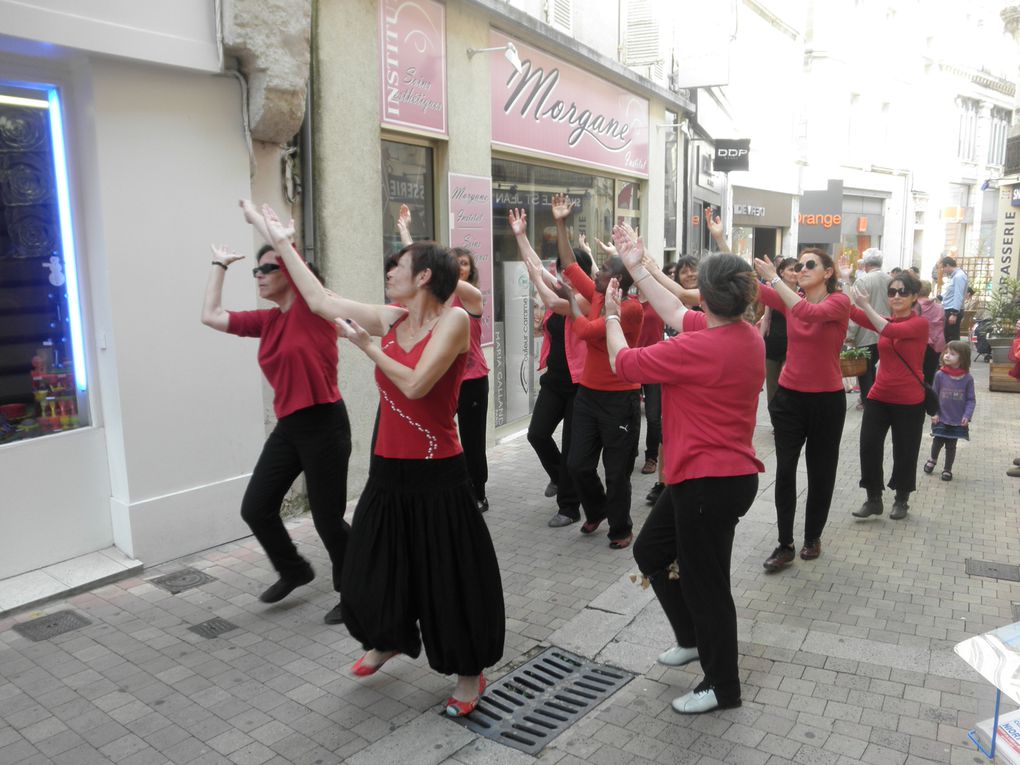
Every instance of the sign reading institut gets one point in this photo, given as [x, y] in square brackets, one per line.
[413, 47]
[557, 110]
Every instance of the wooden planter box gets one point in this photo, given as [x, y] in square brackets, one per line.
[999, 379]
[855, 367]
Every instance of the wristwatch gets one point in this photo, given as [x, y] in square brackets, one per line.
[774, 280]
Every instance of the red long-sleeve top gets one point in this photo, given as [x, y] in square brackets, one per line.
[597, 374]
[894, 383]
[814, 338]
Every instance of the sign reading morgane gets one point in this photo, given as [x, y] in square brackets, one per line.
[560, 111]
[471, 228]
[413, 45]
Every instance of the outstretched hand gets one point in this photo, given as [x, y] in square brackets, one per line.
[224, 255]
[351, 330]
[404, 220]
[765, 269]
[582, 242]
[713, 222]
[843, 265]
[608, 249]
[518, 220]
[277, 230]
[250, 211]
[860, 296]
[613, 297]
[629, 246]
[562, 205]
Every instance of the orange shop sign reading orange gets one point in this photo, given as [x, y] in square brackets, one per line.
[825, 220]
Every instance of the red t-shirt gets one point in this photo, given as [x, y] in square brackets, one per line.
[418, 429]
[814, 338]
[652, 326]
[476, 366]
[597, 374]
[894, 384]
[297, 353]
[710, 385]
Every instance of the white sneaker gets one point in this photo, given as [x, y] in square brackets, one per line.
[696, 702]
[678, 656]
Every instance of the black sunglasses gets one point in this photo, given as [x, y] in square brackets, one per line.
[902, 292]
[265, 268]
[809, 265]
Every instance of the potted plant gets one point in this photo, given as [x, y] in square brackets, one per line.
[1003, 312]
[853, 362]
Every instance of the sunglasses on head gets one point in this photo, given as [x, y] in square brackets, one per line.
[808, 265]
[901, 291]
[265, 268]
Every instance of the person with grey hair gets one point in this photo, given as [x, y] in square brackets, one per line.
[874, 283]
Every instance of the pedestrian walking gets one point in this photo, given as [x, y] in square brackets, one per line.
[953, 295]
[711, 374]
[932, 312]
[896, 400]
[809, 408]
[955, 388]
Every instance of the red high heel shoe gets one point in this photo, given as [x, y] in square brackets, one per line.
[360, 669]
[455, 708]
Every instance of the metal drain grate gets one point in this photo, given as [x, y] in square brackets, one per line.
[213, 628]
[529, 707]
[992, 570]
[179, 581]
[46, 627]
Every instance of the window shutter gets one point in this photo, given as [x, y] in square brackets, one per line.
[643, 39]
[559, 14]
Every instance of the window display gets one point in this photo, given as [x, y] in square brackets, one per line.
[43, 386]
[407, 180]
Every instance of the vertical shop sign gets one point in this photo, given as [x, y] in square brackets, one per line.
[1005, 240]
[552, 108]
[471, 228]
[413, 47]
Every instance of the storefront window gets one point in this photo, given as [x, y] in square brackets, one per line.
[743, 242]
[602, 202]
[407, 180]
[43, 385]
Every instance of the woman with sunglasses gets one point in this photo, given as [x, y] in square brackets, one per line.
[809, 407]
[896, 400]
[298, 355]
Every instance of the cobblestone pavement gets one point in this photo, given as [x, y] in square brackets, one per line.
[845, 659]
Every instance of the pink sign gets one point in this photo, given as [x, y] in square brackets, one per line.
[558, 110]
[471, 228]
[413, 45]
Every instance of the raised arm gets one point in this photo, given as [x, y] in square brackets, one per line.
[404, 225]
[213, 314]
[715, 229]
[860, 299]
[539, 276]
[632, 250]
[767, 271]
[470, 297]
[376, 319]
[450, 338]
[616, 340]
[562, 206]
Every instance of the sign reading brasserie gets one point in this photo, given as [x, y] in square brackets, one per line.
[471, 228]
[560, 111]
[413, 47]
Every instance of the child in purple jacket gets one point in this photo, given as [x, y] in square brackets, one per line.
[955, 387]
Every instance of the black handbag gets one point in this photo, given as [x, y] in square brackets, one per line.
[931, 398]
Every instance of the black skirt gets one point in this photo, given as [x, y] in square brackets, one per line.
[420, 555]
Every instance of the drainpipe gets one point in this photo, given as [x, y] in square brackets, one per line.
[308, 182]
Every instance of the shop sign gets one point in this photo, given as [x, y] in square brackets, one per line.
[1015, 198]
[471, 228]
[413, 45]
[1006, 241]
[557, 110]
[820, 219]
[750, 211]
[732, 155]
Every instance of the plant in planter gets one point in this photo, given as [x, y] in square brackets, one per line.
[1003, 314]
[853, 362]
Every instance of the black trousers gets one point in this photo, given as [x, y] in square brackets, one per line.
[866, 380]
[316, 441]
[653, 416]
[814, 422]
[555, 404]
[606, 422]
[907, 423]
[693, 523]
[472, 416]
[952, 331]
[931, 363]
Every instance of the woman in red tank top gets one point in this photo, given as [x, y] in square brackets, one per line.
[421, 568]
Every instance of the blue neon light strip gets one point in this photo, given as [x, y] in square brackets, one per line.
[67, 239]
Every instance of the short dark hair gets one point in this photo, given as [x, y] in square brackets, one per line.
[727, 284]
[458, 253]
[948, 260]
[832, 283]
[910, 282]
[961, 349]
[686, 261]
[263, 250]
[620, 273]
[583, 260]
[445, 273]
[267, 248]
[784, 264]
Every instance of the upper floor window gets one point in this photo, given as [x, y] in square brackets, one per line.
[997, 132]
[559, 14]
[966, 142]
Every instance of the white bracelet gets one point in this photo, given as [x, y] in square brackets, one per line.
[775, 280]
[611, 316]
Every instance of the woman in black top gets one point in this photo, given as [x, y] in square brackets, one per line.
[773, 329]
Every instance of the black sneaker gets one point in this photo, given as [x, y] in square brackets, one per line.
[551, 489]
[284, 587]
[653, 495]
[333, 616]
[780, 558]
[869, 508]
[899, 510]
[483, 505]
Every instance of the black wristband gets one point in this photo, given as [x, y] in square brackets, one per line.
[220, 263]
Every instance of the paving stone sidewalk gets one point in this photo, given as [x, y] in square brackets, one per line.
[843, 660]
